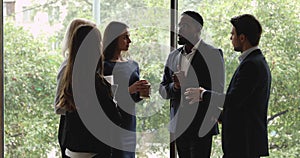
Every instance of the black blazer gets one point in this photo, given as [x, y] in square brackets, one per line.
[244, 119]
[190, 117]
[76, 137]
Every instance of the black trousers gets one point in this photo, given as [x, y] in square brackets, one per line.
[194, 147]
[60, 136]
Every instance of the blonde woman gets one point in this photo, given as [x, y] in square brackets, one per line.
[77, 139]
[66, 45]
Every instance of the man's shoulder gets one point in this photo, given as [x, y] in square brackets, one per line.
[176, 51]
[207, 46]
[210, 50]
[255, 55]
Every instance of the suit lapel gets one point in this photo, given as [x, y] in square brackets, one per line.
[178, 59]
[195, 61]
[198, 57]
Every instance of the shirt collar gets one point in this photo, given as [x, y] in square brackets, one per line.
[194, 49]
[246, 53]
[196, 45]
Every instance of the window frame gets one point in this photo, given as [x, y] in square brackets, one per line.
[173, 45]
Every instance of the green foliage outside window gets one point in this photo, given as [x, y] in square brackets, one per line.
[30, 69]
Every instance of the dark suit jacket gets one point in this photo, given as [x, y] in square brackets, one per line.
[244, 119]
[75, 135]
[190, 117]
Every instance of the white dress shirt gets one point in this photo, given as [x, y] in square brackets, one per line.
[186, 58]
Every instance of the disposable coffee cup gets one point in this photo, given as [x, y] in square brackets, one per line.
[145, 93]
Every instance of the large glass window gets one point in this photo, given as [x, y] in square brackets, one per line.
[33, 33]
[33, 55]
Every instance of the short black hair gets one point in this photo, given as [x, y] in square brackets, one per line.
[196, 16]
[249, 26]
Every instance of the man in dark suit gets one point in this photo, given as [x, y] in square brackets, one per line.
[190, 66]
[244, 118]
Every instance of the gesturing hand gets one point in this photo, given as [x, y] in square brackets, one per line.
[193, 94]
[177, 77]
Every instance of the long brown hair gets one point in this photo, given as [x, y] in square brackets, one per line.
[66, 100]
[110, 38]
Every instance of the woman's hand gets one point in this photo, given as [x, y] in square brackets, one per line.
[137, 86]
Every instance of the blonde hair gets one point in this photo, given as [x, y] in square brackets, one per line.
[66, 43]
[66, 100]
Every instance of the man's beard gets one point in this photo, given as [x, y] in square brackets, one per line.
[182, 40]
[238, 49]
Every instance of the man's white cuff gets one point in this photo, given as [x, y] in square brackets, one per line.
[201, 95]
